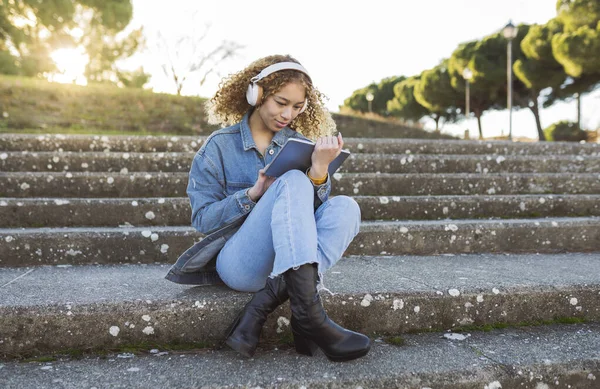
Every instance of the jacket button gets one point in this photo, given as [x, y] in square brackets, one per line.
[247, 206]
[271, 152]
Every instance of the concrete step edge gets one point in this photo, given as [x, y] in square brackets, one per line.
[128, 156]
[362, 197]
[174, 184]
[18, 212]
[129, 304]
[368, 224]
[349, 174]
[192, 143]
[122, 162]
[79, 245]
[81, 184]
[565, 356]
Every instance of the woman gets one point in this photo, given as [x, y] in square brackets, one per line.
[291, 230]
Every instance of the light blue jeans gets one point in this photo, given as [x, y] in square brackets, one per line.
[283, 231]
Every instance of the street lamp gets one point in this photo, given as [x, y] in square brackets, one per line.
[510, 33]
[370, 98]
[467, 75]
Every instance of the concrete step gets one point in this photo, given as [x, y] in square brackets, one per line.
[83, 184]
[558, 356]
[443, 163]
[361, 163]
[175, 211]
[32, 142]
[53, 246]
[475, 207]
[52, 309]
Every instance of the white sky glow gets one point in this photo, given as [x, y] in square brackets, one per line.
[71, 66]
[346, 45]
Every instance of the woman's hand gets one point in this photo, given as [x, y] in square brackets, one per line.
[327, 148]
[260, 186]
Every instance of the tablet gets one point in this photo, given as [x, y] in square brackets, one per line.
[296, 154]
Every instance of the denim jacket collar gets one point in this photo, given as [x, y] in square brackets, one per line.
[279, 138]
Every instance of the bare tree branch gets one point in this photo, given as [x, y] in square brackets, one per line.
[186, 55]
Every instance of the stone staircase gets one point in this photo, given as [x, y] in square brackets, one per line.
[456, 236]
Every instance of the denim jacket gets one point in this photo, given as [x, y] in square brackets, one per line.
[222, 171]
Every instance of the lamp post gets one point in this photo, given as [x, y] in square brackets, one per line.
[370, 98]
[467, 75]
[510, 33]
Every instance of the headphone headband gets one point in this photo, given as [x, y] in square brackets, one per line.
[254, 91]
[277, 67]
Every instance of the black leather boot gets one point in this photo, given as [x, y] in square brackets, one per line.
[247, 326]
[311, 326]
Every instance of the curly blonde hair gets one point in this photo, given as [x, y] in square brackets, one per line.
[229, 104]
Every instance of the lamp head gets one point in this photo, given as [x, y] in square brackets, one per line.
[467, 74]
[510, 31]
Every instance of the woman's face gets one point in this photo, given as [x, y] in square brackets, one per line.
[280, 108]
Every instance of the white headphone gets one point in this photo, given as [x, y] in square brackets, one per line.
[254, 92]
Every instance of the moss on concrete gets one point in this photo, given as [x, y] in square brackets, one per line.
[40, 359]
[133, 348]
[394, 340]
[499, 326]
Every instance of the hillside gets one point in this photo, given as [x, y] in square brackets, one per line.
[32, 105]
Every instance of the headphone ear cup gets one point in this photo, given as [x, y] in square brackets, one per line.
[259, 94]
[252, 94]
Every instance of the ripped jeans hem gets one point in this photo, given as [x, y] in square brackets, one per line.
[320, 280]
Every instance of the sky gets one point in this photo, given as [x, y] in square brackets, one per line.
[346, 45]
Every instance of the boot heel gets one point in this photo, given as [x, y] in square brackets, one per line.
[304, 345]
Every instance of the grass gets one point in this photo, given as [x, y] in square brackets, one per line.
[34, 104]
[79, 131]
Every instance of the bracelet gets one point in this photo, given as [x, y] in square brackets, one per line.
[317, 181]
[247, 193]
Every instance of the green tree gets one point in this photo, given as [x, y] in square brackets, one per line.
[385, 93]
[577, 48]
[488, 86]
[435, 92]
[537, 69]
[488, 83]
[8, 65]
[31, 29]
[25, 27]
[105, 49]
[382, 93]
[358, 100]
[404, 105]
[578, 13]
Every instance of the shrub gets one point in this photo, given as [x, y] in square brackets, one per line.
[565, 131]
